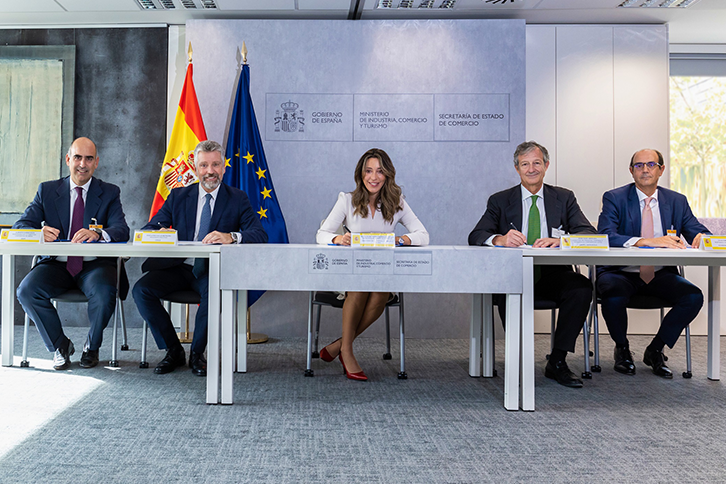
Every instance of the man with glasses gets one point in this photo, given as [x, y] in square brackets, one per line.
[642, 214]
[542, 212]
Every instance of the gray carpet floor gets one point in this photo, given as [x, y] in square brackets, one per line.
[128, 425]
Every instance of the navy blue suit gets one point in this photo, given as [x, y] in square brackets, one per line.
[620, 219]
[50, 278]
[232, 213]
[571, 291]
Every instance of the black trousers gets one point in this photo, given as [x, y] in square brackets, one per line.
[573, 294]
[156, 284]
[617, 287]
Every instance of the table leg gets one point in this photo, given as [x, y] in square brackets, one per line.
[488, 337]
[309, 358]
[241, 318]
[714, 322]
[227, 345]
[475, 331]
[213, 331]
[8, 310]
[527, 368]
[511, 352]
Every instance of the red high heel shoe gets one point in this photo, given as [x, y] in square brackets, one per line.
[359, 376]
[325, 355]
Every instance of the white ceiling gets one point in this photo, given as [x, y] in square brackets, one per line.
[702, 23]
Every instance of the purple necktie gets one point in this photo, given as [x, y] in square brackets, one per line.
[75, 264]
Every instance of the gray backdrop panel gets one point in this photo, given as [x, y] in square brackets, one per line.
[447, 183]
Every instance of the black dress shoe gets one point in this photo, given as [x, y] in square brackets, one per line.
[198, 364]
[62, 357]
[174, 358]
[562, 374]
[656, 360]
[624, 361]
[89, 359]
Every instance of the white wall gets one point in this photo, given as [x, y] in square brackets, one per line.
[595, 95]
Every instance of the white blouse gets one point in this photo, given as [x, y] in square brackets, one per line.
[343, 213]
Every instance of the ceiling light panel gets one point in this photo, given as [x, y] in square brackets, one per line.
[323, 5]
[96, 6]
[258, 5]
[30, 6]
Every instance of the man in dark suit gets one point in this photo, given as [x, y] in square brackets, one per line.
[642, 214]
[210, 212]
[66, 209]
[543, 212]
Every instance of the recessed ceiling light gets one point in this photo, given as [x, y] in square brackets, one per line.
[146, 4]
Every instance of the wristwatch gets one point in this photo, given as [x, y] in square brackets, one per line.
[235, 237]
[401, 241]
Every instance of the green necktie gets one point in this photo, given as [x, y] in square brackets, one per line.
[533, 230]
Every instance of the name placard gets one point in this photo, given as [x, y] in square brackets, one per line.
[155, 237]
[372, 240]
[587, 242]
[713, 242]
[26, 236]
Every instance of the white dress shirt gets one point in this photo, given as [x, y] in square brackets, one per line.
[526, 205]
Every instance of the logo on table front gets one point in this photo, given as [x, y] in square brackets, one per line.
[290, 119]
[320, 262]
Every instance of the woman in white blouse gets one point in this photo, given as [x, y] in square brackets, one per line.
[376, 205]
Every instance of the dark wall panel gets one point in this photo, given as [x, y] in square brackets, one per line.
[120, 103]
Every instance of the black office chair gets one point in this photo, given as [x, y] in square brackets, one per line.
[329, 298]
[639, 302]
[548, 304]
[77, 296]
[180, 297]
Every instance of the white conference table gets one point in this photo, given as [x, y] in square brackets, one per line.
[432, 269]
[617, 256]
[184, 250]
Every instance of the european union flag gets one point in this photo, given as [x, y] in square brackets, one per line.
[247, 167]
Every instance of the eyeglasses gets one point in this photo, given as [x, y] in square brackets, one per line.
[650, 165]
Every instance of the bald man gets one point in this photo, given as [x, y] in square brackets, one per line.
[63, 209]
[642, 214]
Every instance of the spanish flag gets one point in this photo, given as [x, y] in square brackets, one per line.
[178, 169]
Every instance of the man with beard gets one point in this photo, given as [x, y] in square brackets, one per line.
[221, 215]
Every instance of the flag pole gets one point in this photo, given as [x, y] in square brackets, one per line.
[252, 338]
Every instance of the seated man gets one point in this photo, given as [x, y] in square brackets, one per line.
[67, 207]
[543, 212]
[211, 212]
[642, 214]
